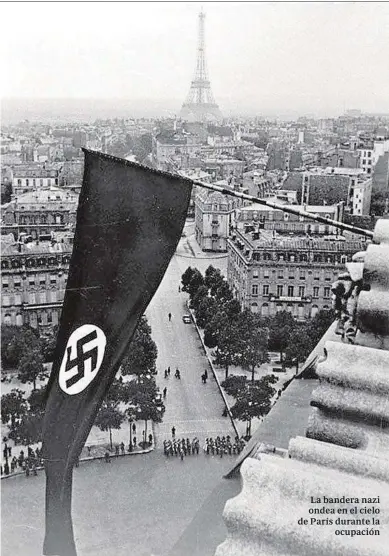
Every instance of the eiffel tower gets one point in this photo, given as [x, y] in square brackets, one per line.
[200, 104]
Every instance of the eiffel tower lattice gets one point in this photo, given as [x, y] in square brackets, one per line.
[200, 104]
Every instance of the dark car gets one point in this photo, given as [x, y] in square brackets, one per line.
[187, 319]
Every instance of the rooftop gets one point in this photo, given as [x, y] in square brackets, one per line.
[335, 439]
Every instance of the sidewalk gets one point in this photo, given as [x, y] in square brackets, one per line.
[96, 452]
[97, 440]
[263, 370]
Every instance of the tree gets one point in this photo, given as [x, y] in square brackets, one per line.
[199, 296]
[205, 311]
[213, 279]
[142, 146]
[186, 278]
[228, 347]
[299, 347]
[27, 429]
[143, 402]
[142, 353]
[319, 325]
[13, 406]
[213, 329]
[223, 293]
[16, 342]
[232, 308]
[233, 384]
[49, 345]
[253, 401]
[254, 351]
[109, 417]
[281, 326]
[196, 281]
[31, 367]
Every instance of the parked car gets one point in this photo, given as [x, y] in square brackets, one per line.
[158, 398]
[187, 319]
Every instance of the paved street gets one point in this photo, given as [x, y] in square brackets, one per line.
[141, 505]
[137, 505]
[194, 408]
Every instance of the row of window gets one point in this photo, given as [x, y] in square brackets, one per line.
[41, 261]
[34, 182]
[55, 296]
[41, 219]
[291, 274]
[34, 280]
[34, 319]
[298, 311]
[291, 291]
[301, 257]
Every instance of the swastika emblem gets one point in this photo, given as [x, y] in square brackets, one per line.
[82, 358]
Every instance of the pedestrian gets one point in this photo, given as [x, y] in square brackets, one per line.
[122, 448]
[116, 450]
[150, 439]
[168, 371]
[173, 432]
[27, 470]
[164, 392]
[179, 289]
[89, 449]
[107, 458]
[5, 451]
[170, 317]
[133, 428]
[76, 464]
[206, 374]
[166, 374]
[1, 467]
[134, 441]
[12, 466]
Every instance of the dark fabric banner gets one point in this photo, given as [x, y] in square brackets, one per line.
[129, 222]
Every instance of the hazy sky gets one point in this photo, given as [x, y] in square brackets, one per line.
[308, 57]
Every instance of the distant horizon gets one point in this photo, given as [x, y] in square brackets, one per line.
[263, 58]
[66, 109]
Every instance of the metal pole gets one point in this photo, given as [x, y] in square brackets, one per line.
[225, 191]
[286, 208]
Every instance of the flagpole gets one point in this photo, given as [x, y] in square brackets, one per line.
[286, 208]
[291, 209]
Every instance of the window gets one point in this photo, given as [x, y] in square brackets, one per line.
[42, 280]
[7, 319]
[41, 182]
[254, 289]
[32, 298]
[254, 307]
[369, 154]
[19, 182]
[280, 290]
[280, 274]
[31, 280]
[53, 279]
[18, 299]
[301, 291]
[6, 301]
[327, 291]
[290, 291]
[27, 182]
[369, 170]
[34, 182]
[49, 182]
[265, 310]
[327, 278]
[364, 161]
[5, 282]
[292, 258]
[265, 290]
[314, 310]
[304, 257]
[42, 297]
[266, 273]
[17, 282]
[302, 275]
[316, 292]
[49, 317]
[255, 273]
[316, 276]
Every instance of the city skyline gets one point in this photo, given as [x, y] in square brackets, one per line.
[264, 58]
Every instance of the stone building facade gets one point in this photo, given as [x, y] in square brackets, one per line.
[270, 274]
[214, 216]
[33, 279]
[39, 213]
